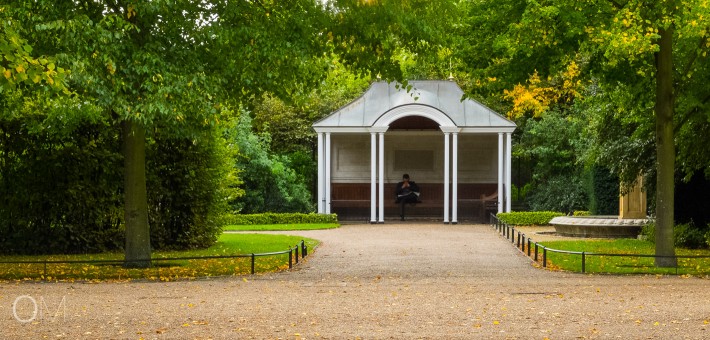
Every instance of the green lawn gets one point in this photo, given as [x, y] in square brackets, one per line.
[272, 227]
[622, 265]
[227, 244]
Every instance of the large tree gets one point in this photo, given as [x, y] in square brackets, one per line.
[169, 66]
[620, 42]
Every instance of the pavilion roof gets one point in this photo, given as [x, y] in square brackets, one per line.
[444, 96]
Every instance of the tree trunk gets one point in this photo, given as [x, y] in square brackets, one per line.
[665, 151]
[135, 195]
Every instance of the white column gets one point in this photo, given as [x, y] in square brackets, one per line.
[455, 173]
[327, 172]
[509, 165]
[321, 196]
[500, 172]
[382, 177]
[446, 177]
[373, 177]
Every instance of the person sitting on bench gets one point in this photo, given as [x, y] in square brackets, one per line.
[407, 192]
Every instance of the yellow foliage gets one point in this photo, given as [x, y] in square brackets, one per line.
[531, 99]
[537, 96]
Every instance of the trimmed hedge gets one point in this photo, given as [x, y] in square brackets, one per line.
[281, 218]
[528, 217]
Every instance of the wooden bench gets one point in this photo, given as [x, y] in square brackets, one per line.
[351, 201]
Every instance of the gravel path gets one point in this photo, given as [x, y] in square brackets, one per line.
[392, 281]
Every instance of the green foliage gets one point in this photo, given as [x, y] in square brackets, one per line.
[520, 194]
[274, 218]
[369, 35]
[560, 193]
[61, 188]
[281, 227]
[528, 217]
[581, 213]
[604, 194]
[620, 135]
[19, 68]
[686, 235]
[270, 185]
[169, 69]
[552, 143]
[191, 182]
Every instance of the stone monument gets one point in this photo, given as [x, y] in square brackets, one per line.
[633, 204]
[632, 216]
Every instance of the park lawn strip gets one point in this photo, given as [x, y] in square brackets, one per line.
[619, 264]
[281, 227]
[168, 269]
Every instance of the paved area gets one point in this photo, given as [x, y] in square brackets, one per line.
[392, 281]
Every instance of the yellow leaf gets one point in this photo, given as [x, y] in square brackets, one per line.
[495, 322]
[131, 11]
[656, 323]
[20, 69]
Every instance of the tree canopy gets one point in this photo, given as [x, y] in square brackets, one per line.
[621, 83]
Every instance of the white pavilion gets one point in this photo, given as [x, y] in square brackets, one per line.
[457, 150]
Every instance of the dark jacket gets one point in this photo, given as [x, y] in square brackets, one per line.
[410, 194]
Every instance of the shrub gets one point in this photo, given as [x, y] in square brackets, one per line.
[687, 235]
[648, 232]
[684, 235]
[270, 184]
[528, 217]
[520, 194]
[604, 193]
[581, 213]
[61, 188]
[189, 184]
[281, 218]
[560, 193]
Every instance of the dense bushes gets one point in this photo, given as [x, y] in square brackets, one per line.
[273, 218]
[686, 235]
[528, 217]
[270, 182]
[62, 189]
[559, 193]
[189, 183]
[604, 192]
